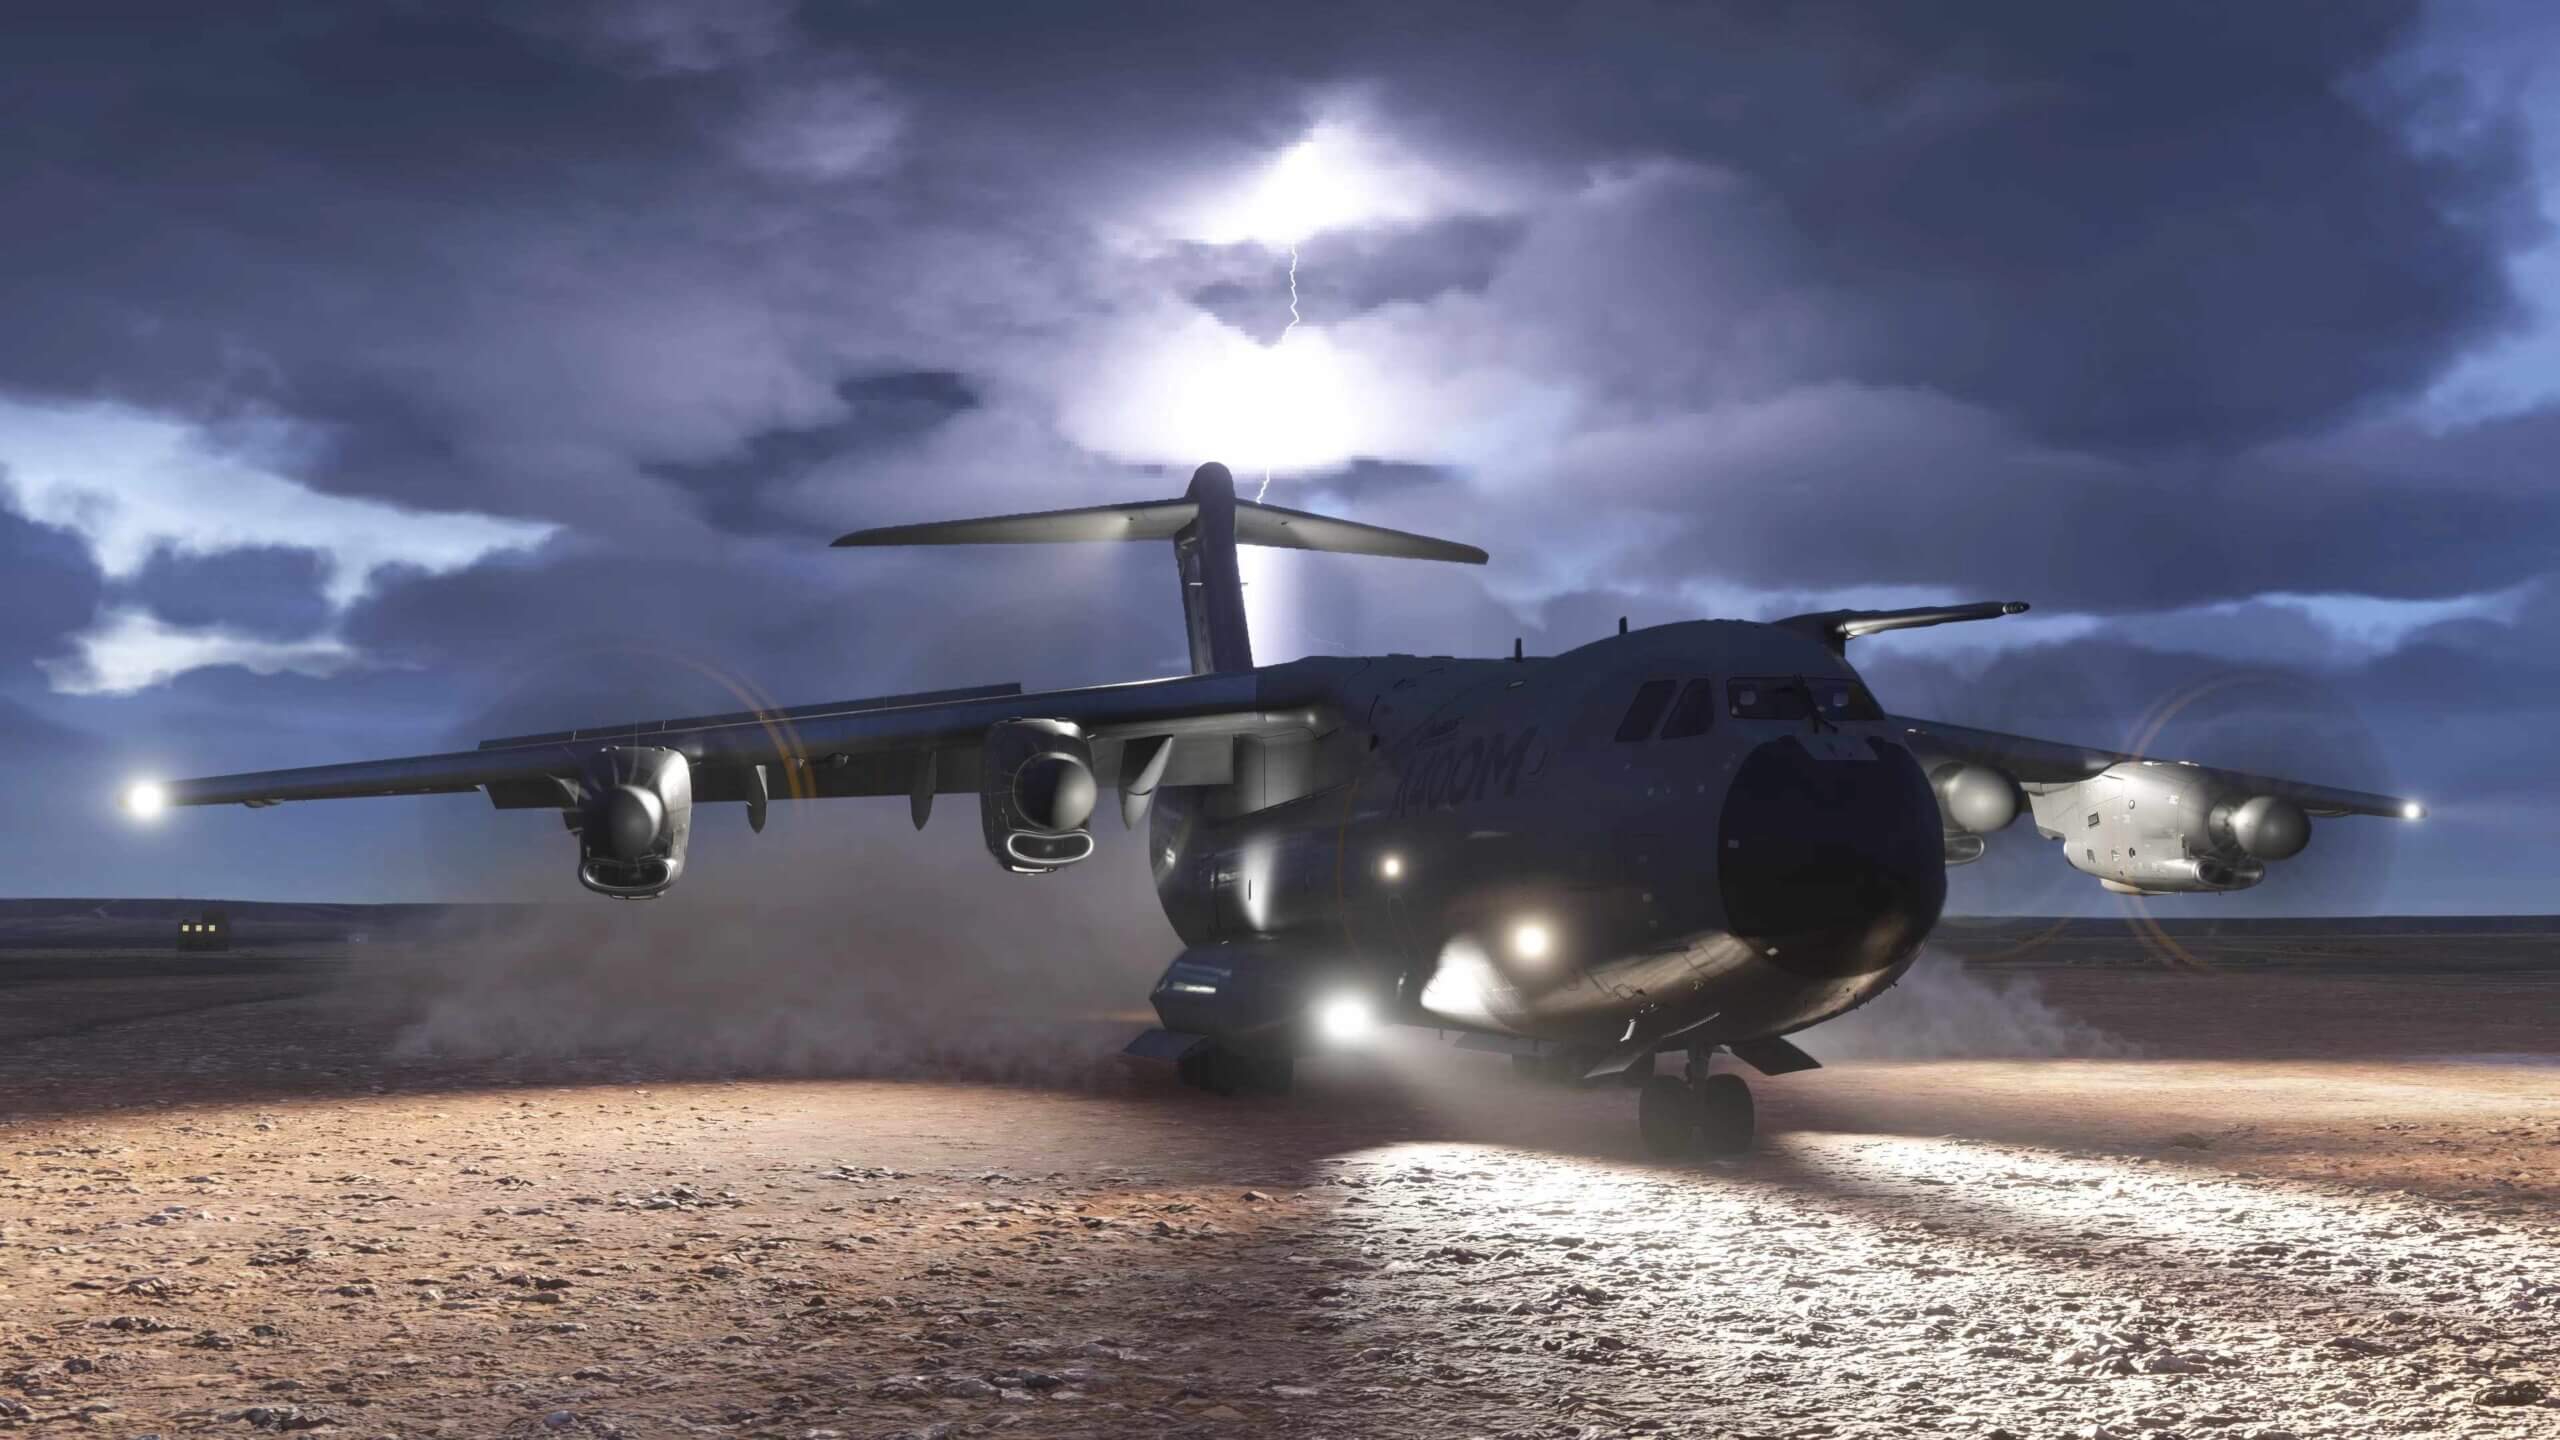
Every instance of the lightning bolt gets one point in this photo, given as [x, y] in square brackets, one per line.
[1275, 345]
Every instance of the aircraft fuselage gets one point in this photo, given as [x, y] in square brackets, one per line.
[1579, 848]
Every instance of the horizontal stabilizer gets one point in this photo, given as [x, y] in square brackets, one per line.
[1268, 525]
[1163, 521]
[1204, 526]
[1138, 520]
[1297, 530]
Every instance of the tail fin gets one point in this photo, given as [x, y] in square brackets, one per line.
[1205, 525]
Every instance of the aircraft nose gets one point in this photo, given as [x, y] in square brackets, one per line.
[1831, 867]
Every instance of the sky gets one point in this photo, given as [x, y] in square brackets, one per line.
[375, 377]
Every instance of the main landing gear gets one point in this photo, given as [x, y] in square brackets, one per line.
[1697, 1114]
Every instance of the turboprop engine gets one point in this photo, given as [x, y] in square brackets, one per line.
[1038, 792]
[2147, 828]
[633, 819]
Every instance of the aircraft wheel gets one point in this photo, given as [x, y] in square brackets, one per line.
[1725, 1116]
[1667, 1113]
[1205, 1069]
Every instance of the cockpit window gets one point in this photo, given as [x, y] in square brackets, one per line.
[1799, 697]
[1651, 697]
[1695, 712]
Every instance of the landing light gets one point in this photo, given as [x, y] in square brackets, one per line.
[1530, 940]
[1345, 1019]
[2413, 811]
[144, 800]
[1392, 867]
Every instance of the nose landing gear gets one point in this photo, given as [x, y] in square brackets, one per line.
[1699, 1114]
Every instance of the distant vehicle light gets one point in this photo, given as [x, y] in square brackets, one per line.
[144, 800]
[1530, 940]
[1345, 1019]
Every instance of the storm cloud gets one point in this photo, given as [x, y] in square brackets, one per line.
[555, 342]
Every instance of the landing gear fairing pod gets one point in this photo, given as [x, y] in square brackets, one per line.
[1694, 839]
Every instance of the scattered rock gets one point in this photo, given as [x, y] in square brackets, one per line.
[2513, 1392]
[283, 1417]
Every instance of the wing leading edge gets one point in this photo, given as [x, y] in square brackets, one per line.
[838, 746]
[2046, 762]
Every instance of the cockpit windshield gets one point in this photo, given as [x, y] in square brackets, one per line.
[1801, 697]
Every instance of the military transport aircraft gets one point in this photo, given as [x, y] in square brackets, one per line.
[1692, 838]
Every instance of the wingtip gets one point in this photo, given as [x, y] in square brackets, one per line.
[2015, 607]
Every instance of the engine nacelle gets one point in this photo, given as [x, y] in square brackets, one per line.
[1975, 799]
[633, 820]
[2147, 828]
[1037, 795]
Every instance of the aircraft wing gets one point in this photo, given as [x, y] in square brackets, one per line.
[880, 746]
[2034, 762]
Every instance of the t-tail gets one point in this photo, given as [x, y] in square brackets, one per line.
[1205, 525]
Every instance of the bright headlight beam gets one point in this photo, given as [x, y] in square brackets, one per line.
[145, 799]
[1344, 1019]
[1530, 940]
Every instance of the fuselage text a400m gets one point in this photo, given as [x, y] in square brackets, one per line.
[1693, 839]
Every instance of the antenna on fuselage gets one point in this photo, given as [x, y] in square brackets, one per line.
[1622, 624]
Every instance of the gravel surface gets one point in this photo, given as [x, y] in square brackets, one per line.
[252, 1219]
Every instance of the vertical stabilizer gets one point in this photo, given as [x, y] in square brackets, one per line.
[1204, 552]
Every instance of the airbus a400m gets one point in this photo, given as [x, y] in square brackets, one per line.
[1693, 839]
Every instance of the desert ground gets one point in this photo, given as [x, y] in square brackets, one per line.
[2264, 1190]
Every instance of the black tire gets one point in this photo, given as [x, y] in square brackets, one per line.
[1667, 1114]
[1726, 1118]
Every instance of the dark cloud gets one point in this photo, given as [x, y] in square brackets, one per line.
[269, 592]
[1838, 488]
[879, 412]
[1346, 273]
[1365, 477]
[2107, 305]
[49, 587]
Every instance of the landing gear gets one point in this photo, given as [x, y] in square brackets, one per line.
[1726, 1120]
[1222, 1071]
[1668, 1115]
[1702, 1114]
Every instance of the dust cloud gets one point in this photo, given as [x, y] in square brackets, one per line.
[850, 948]
[1943, 1010]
